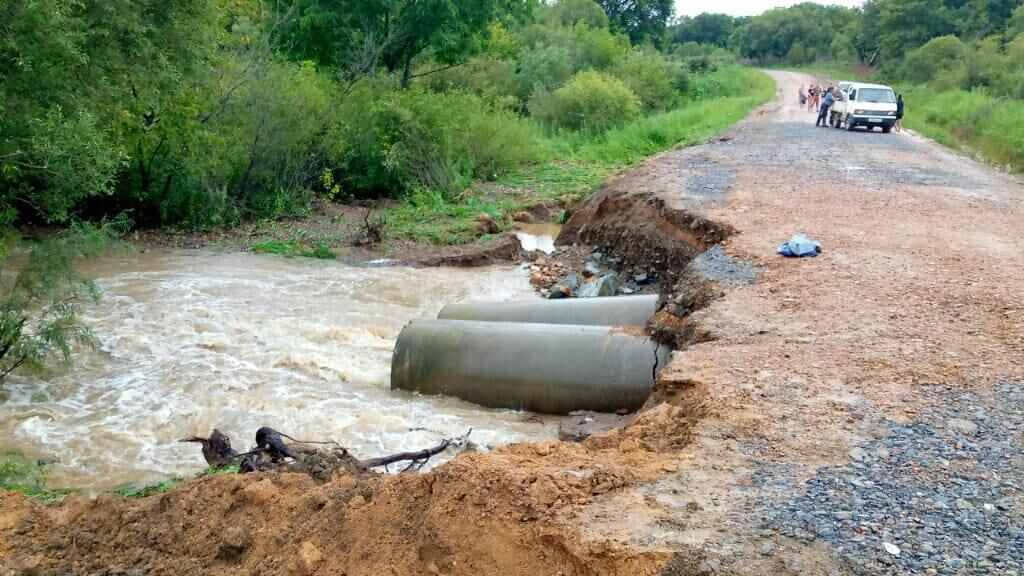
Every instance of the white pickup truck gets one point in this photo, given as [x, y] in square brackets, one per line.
[866, 105]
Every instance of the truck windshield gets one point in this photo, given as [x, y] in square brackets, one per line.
[876, 95]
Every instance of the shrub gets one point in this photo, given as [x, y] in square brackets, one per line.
[387, 142]
[570, 12]
[542, 68]
[590, 101]
[654, 80]
[942, 60]
[724, 82]
[589, 47]
[493, 79]
[597, 47]
[499, 141]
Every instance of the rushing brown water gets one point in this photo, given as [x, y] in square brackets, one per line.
[191, 340]
[538, 236]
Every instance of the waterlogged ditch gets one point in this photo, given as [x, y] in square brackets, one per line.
[192, 340]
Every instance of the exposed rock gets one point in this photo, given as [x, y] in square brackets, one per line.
[583, 424]
[603, 286]
[235, 542]
[566, 287]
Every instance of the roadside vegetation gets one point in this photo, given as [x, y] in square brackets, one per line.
[207, 115]
[959, 65]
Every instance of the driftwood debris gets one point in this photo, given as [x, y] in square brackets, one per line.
[217, 448]
[272, 451]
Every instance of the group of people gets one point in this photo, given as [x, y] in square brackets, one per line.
[815, 101]
[812, 97]
[820, 100]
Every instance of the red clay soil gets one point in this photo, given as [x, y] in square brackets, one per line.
[919, 283]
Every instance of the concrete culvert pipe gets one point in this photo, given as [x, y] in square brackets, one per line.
[610, 311]
[548, 368]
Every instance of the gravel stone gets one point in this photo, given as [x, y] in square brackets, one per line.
[947, 493]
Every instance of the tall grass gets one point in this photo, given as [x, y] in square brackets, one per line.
[742, 90]
[990, 126]
[579, 160]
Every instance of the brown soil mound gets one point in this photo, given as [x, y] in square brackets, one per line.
[504, 248]
[635, 225]
[512, 511]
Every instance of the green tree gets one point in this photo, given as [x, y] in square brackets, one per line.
[571, 12]
[906, 24]
[362, 34]
[771, 35]
[43, 297]
[1015, 25]
[943, 58]
[706, 28]
[641, 20]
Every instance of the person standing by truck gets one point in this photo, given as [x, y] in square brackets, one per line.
[803, 97]
[826, 103]
[899, 114]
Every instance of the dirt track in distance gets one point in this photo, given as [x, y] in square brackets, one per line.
[836, 405]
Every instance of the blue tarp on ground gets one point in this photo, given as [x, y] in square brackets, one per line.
[799, 246]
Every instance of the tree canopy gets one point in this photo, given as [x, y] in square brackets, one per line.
[706, 28]
[641, 20]
[364, 33]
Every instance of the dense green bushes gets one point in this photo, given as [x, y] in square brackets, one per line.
[203, 113]
[948, 63]
[387, 142]
[591, 101]
[657, 82]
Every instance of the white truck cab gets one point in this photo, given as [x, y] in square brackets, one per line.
[866, 105]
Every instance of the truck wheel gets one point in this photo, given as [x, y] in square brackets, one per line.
[850, 125]
[886, 129]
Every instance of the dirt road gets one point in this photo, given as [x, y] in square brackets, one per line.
[854, 413]
[866, 397]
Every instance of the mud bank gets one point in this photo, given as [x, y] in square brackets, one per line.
[506, 512]
[516, 510]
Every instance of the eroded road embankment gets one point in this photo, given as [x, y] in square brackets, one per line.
[859, 407]
[833, 411]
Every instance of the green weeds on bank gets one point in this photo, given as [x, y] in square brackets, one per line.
[581, 161]
[20, 474]
[26, 476]
[319, 250]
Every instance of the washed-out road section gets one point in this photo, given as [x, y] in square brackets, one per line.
[854, 413]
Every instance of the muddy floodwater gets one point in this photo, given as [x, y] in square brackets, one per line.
[194, 339]
[540, 237]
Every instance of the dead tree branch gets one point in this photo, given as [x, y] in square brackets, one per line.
[270, 444]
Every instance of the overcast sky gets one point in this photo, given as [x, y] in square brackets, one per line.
[743, 7]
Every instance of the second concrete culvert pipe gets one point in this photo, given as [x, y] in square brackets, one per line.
[548, 368]
[609, 311]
